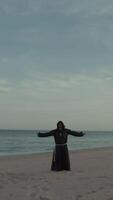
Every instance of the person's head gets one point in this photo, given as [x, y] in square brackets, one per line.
[60, 125]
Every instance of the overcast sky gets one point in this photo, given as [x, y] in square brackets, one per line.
[56, 63]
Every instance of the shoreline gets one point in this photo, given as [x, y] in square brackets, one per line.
[50, 153]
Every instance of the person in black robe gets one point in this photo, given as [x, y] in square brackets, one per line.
[60, 159]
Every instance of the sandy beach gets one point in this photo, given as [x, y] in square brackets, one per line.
[28, 177]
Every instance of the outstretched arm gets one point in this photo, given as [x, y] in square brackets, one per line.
[76, 133]
[50, 133]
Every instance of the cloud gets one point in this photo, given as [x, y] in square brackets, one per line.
[4, 60]
[58, 87]
[41, 96]
[65, 7]
[56, 57]
[62, 31]
[4, 86]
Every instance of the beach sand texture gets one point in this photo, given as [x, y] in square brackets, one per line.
[28, 177]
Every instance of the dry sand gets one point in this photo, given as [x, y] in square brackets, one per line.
[29, 177]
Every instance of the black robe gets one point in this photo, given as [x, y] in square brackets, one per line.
[60, 159]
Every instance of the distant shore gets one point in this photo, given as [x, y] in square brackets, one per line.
[28, 177]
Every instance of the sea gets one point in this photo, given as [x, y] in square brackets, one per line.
[19, 142]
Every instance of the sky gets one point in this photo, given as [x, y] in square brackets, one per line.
[56, 63]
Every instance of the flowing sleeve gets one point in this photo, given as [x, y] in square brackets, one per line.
[76, 133]
[46, 134]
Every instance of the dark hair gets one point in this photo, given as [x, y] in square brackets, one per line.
[60, 122]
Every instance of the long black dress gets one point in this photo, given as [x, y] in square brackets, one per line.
[60, 159]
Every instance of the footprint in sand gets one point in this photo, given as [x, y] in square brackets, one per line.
[101, 188]
[79, 197]
[80, 171]
[44, 198]
[36, 190]
[34, 186]
[93, 191]
[11, 194]
[33, 194]
[109, 199]
[45, 188]
[1, 187]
